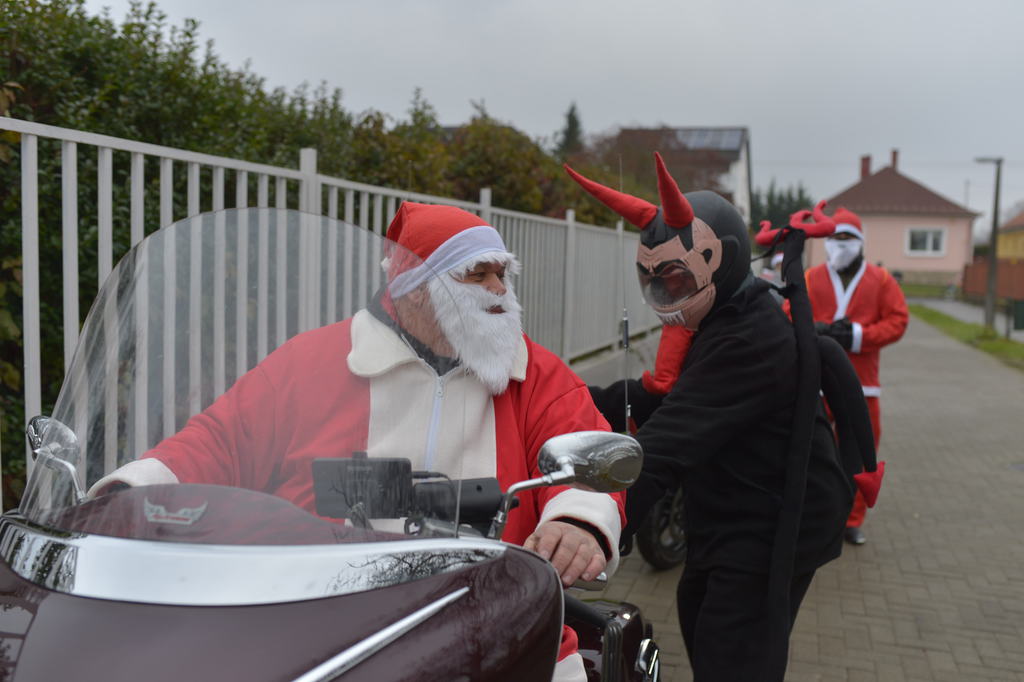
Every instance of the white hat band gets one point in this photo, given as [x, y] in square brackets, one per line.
[849, 228]
[456, 250]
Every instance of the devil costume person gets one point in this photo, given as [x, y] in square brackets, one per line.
[742, 431]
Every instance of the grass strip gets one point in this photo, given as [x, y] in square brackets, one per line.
[911, 290]
[978, 335]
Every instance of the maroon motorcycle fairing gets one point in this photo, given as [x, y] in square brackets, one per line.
[506, 628]
[213, 514]
[605, 659]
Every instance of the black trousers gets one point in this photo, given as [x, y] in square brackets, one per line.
[726, 627]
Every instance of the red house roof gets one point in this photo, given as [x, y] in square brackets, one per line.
[1015, 224]
[890, 192]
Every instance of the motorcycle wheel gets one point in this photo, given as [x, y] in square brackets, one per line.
[661, 539]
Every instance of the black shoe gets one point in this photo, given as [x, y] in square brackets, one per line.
[854, 535]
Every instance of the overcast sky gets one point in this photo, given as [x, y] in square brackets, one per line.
[818, 83]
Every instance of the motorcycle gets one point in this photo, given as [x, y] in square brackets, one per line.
[661, 538]
[396, 573]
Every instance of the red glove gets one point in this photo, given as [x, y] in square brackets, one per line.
[869, 482]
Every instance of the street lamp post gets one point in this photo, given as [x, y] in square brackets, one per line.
[990, 289]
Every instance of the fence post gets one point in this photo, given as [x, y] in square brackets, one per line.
[485, 204]
[309, 203]
[137, 210]
[30, 279]
[69, 246]
[569, 300]
[310, 189]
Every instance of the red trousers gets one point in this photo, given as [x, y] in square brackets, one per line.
[860, 508]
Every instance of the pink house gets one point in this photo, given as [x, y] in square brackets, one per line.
[908, 228]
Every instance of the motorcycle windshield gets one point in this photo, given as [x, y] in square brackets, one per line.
[262, 376]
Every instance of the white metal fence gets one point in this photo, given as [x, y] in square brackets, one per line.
[575, 281]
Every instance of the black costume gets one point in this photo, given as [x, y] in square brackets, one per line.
[743, 432]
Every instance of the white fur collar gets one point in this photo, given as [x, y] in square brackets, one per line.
[377, 349]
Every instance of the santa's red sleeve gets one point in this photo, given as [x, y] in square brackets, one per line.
[556, 401]
[240, 421]
[205, 450]
[892, 318]
[672, 348]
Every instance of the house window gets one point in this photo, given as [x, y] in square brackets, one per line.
[922, 241]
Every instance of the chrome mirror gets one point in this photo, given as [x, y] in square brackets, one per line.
[48, 436]
[598, 461]
[55, 448]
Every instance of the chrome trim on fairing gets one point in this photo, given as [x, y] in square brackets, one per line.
[154, 572]
[357, 653]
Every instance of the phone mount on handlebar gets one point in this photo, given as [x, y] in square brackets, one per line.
[359, 488]
[478, 499]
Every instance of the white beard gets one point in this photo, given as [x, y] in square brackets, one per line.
[485, 343]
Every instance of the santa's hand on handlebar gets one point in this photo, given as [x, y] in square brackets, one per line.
[574, 552]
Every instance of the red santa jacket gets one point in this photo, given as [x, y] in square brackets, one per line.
[873, 302]
[304, 402]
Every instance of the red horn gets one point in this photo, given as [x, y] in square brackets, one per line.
[822, 226]
[676, 210]
[637, 211]
[798, 218]
[819, 211]
[767, 235]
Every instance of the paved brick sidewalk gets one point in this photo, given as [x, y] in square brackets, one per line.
[937, 593]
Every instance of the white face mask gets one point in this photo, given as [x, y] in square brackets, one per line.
[842, 252]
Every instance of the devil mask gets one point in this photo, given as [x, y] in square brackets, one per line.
[694, 251]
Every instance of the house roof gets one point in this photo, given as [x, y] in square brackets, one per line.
[719, 139]
[727, 140]
[890, 192]
[1014, 224]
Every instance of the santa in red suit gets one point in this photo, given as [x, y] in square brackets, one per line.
[436, 369]
[862, 307]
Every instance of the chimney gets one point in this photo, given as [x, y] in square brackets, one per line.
[865, 166]
[895, 158]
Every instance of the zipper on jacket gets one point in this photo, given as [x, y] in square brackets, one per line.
[435, 423]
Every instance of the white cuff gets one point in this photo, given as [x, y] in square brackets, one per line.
[149, 471]
[858, 337]
[570, 669]
[597, 509]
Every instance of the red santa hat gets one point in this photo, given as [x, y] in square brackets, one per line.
[438, 239]
[849, 222]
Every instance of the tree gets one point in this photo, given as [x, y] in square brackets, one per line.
[570, 140]
[777, 205]
[488, 153]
